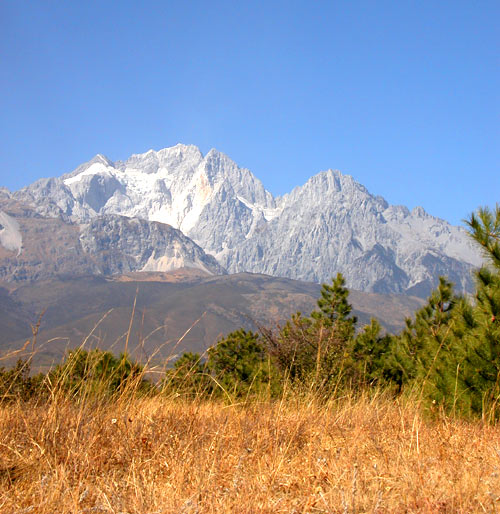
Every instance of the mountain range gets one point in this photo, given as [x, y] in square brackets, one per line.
[176, 207]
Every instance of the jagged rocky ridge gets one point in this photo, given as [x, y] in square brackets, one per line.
[330, 224]
[34, 247]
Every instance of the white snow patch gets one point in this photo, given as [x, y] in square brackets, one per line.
[268, 213]
[10, 234]
[97, 168]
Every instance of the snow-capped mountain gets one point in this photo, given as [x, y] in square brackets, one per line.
[330, 224]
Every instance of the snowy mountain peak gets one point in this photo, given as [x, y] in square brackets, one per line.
[4, 192]
[167, 158]
[97, 159]
[102, 159]
[419, 212]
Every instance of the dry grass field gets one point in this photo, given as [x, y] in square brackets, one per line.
[164, 455]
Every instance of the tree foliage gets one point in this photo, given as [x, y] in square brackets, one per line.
[480, 319]
[369, 356]
[98, 372]
[17, 383]
[450, 352]
[240, 364]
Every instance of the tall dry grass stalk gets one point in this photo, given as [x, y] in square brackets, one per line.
[155, 455]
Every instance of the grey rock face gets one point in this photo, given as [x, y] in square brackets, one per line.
[121, 245]
[329, 224]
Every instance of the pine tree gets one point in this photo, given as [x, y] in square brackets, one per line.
[369, 354]
[484, 227]
[334, 308]
[314, 350]
[481, 320]
[98, 372]
[425, 355]
[240, 364]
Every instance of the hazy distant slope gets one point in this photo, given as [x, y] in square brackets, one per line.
[166, 307]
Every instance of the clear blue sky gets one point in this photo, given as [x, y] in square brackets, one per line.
[403, 95]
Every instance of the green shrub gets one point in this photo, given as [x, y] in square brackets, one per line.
[98, 372]
[188, 377]
[240, 365]
[18, 384]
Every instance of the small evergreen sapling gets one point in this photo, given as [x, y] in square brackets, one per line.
[315, 350]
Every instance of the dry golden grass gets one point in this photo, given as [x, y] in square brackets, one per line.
[160, 455]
